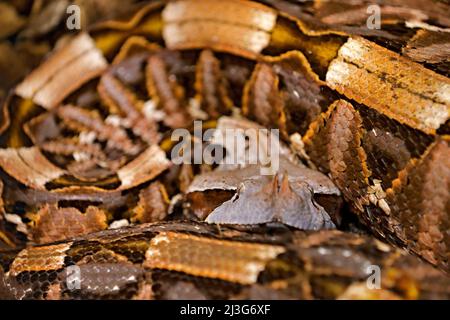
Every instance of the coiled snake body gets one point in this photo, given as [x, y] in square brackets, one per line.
[85, 142]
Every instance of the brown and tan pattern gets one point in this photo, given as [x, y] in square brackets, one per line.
[54, 79]
[218, 259]
[378, 78]
[52, 223]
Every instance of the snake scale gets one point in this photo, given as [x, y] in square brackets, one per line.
[362, 114]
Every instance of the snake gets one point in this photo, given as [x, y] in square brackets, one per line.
[85, 139]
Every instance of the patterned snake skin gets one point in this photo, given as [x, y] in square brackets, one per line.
[85, 147]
